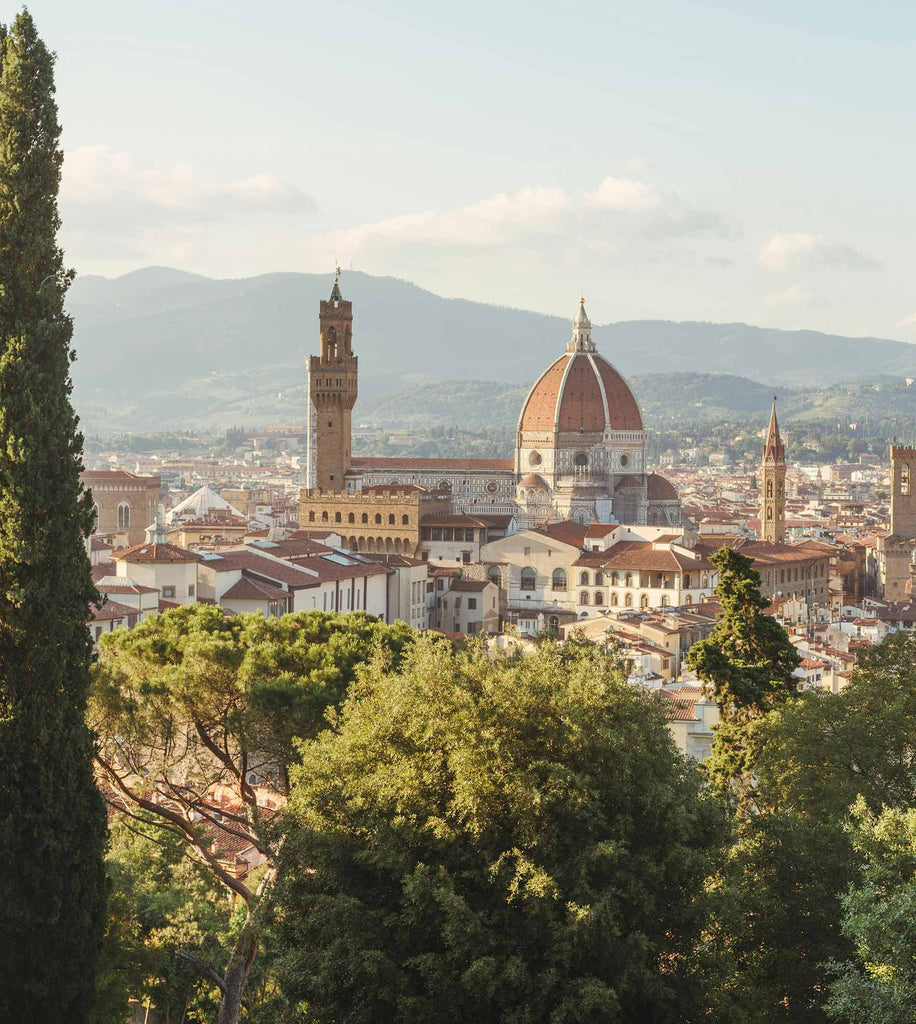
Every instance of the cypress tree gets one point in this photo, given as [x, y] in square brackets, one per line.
[52, 821]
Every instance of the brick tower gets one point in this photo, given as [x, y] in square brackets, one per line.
[773, 485]
[903, 492]
[332, 395]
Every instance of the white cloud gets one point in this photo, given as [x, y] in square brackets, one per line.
[619, 217]
[98, 180]
[795, 295]
[798, 250]
[908, 322]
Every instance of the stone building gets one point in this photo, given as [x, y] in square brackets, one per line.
[125, 504]
[580, 448]
[374, 519]
[773, 485]
[898, 549]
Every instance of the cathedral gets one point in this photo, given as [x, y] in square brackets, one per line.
[580, 447]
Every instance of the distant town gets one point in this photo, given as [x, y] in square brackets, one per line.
[578, 534]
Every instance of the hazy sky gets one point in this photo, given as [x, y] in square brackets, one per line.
[702, 161]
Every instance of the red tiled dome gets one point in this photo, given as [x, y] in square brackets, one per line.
[572, 394]
[659, 489]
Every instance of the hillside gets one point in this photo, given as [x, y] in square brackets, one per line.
[160, 347]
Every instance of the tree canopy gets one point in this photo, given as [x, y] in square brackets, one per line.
[497, 839]
[197, 714]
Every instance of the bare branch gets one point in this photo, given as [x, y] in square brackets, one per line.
[205, 969]
[190, 833]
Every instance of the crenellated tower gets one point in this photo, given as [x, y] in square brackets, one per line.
[773, 485]
[332, 395]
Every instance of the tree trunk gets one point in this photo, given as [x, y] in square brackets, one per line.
[236, 976]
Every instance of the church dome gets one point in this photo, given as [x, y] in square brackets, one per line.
[581, 391]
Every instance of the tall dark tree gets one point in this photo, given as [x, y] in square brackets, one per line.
[52, 822]
[748, 661]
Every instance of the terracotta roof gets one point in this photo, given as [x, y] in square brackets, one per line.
[659, 489]
[572, 394]
[248, 589]
[97, 544]
[453, 519]
[568, 531]
[156, 553]
[391, 464]
[475, 586]
[112, 610]
[532, 480]
[600, 529]
[88, 475]
[274, 569]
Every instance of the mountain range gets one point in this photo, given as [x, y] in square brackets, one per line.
[161, 348]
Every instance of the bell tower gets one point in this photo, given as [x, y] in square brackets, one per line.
[332, 395]
[773, 485]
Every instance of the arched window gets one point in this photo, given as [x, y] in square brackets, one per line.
[664, 600]
[644, 601]
[311, 517]
[534, 459]
[599, 597]
[553, 623]
[599, 578]
[337, 517]
[769, 513]
[391, 519]
[628, 600]
[705, 582]
[364, 518]
[324, 517]
[123, 515]
[351, 517]
[628, 580]
[559, 579]
[583, 579]
[615, 579]
[688, 599]
[405, 520]
[378, 519]
[583, 597]
[686, 580]
[769, 488]
[529, 578]
[905, 479]
[701, 599]
[494, 575]
[95, 518]
[614, 600]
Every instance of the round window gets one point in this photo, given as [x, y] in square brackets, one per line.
[581, 459]
[492, 487]
[624, 460]
[534, 459]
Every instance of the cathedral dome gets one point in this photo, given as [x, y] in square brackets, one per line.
[581, 391]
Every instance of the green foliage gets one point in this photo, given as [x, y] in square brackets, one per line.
[197, 715]
[878, 985]
[164, 910]
[780, 919]
[52, 824]
[495, 839]
[748, 662]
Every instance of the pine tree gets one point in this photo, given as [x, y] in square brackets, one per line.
[52, 822]
[749, 661]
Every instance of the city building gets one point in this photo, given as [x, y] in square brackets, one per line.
[580, 450]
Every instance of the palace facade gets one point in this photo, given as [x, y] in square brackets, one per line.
[580, 450]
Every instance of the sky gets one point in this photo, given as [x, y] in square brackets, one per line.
[672, 160]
